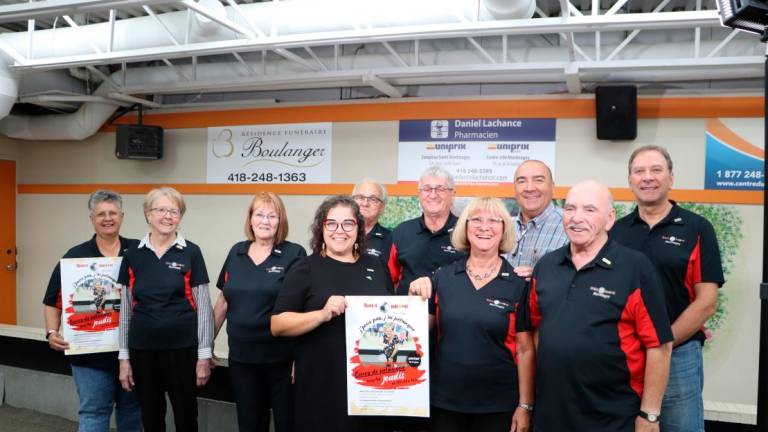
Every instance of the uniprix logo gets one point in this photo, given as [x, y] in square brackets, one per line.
[510, 147]
[448, 147]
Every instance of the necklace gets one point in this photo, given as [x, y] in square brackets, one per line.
[478, 276]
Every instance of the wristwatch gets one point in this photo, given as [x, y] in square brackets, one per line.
[526, 407]
[49, 333]
[651, 417]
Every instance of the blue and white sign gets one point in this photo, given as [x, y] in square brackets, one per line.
[732, 165]
[475, 151]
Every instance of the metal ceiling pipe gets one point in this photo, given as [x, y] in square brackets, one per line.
[292, 17]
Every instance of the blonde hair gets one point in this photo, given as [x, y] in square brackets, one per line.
[268, 198]
[497, 208]
[167, 192]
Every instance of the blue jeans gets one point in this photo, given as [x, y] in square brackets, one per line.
[683, 406]
[99, 390]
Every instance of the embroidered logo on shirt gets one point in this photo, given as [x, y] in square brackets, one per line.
[497, 303]
[275, 269]
[372, 251]
[378, 234]
[448, 249]
[602, 292]
[277, 251]
[677, 241]
[174, 265]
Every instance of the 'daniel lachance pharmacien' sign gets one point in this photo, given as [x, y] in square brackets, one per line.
[282, 153]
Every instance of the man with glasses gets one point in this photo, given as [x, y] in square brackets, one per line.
[422, 245]
[371, 197]
[539, 225]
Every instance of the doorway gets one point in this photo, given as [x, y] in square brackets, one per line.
[7, 242]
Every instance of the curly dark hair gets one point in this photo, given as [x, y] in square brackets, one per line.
[322, 213]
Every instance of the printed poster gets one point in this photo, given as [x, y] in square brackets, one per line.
[732, 162]
[279, 153]
[90, 299]
[475, 151]
[388, 356]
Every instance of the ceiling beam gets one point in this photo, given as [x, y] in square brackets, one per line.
[575, 24]
[52, 8]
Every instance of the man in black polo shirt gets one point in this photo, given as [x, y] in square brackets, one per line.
[683, 248]
[604, 337]
[371, 196]
[422, 245]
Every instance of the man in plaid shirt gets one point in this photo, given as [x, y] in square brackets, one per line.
[539, 225]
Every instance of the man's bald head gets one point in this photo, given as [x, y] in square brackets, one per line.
[588, 214]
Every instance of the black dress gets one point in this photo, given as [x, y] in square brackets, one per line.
[320, 377]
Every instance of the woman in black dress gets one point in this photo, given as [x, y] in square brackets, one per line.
[311, 306]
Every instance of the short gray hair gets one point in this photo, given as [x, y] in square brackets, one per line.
[370, 180]
[104, 195]
[440, 172]
[661, 150]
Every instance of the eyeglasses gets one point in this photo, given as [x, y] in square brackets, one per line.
[372, 199]
[271, 218]
[347, 225]
[491, 221]
[162, 211]
[427, 190]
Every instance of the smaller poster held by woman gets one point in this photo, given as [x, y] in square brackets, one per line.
[90, 299]
[387, 356]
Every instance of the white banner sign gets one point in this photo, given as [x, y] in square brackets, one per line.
[388, 356]
[474, 150]
[284, 153]
[90, 300]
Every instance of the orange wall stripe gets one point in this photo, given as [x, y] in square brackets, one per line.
[384, 111]
[620, 194]
[723, 133]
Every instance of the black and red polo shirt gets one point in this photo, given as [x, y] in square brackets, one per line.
[378, 243]
[52, 298]
[683, 248]
[474, 370]
[417, 251]
[595, 325]
[251, 290]
[164, 314]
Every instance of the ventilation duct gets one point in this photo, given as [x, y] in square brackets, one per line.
[285, 17]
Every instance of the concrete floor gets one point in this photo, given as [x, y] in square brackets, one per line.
[25, 420]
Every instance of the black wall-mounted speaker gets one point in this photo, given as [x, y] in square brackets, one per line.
[616, 112]
[139, 142]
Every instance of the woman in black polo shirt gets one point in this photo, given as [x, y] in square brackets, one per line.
[166, 328]
[311, 306]
[259, 363]
[482, 373]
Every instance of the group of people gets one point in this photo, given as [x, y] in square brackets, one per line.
[556, 320]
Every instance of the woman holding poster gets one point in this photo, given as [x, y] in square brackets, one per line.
[311, 306]
[482, 373]
[95, 375]
[252, 275]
